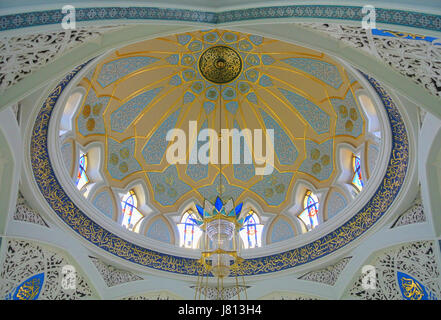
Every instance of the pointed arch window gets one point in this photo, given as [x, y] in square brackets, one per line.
[357, 179]
[309, 215]
[189, 231]
[82, 178]
[131, 215]
[251, 231]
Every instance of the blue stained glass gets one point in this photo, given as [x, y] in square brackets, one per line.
[357, 179]
[251, 230]
[190, 225]
[131, 214]
[200, 210]
[238, 209]
[82, 178]
[309, 215]
[218, 204]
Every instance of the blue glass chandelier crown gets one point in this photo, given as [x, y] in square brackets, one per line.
[219, 208]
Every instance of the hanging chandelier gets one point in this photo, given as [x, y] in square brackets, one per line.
[220, 223]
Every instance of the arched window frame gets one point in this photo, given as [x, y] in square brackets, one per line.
[251, 231]
[71, 106]
[309, 216]
[188, 227]
[131, 216]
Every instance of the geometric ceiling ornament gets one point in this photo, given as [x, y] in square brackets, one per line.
[303, 121]
[220, 64]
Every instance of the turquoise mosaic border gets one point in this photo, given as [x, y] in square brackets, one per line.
[79, 222]
[350, 13]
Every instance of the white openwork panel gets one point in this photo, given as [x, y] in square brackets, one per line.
[21, 55]
[153, 296]
[328, 275]
[417, 259]
[214, 293]
[23, 212]
[415, 214]
[288, 296]
[113, 276]
[416, 59]
[24, 259]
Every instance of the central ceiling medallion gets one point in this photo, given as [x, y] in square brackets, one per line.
[220, 64]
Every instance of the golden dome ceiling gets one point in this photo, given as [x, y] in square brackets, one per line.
[221, 79]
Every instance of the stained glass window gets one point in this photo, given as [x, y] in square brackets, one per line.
[189, 230]
[82, 178]
[309, 215]
[357, 180]
[251, 231]
[131, 215]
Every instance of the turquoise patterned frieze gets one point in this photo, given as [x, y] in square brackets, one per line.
[316, 117]
[349, 120]
[90, 119]
[273, 187]
[154, 150]
[398, 17]
[121, 160]
[283, 145]
[324, 71]
[319, 159]
[114, 70]
[121, 118]
[167, 186]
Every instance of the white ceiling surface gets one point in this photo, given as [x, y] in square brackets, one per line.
[9, 6]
